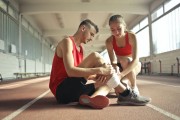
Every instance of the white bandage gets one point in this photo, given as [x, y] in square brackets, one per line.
[113, 81]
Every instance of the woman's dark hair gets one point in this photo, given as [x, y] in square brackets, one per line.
[118, 18]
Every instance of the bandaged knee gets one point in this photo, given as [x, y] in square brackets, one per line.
[113, 81]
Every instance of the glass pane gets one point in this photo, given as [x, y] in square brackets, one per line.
[31, 29]
[143, 23]
[3, 5]
[25, 23]
[143, 42]
[166, 31]
[170, 4]
[136, 28]
[157, 13]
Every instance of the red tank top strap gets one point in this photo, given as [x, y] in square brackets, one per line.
[127, 38]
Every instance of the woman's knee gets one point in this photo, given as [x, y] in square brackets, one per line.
[137, 68]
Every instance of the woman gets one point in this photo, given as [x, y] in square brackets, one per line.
[124, 44]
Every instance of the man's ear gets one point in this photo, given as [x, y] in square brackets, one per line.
[83, 28]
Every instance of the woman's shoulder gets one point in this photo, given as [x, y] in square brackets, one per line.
[131, 35]
[109, 39]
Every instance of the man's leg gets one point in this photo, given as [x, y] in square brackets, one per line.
[96, 60]
[97, 99]
[92, 60]
[126, 96]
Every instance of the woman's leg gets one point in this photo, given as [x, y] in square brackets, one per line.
[132, 75]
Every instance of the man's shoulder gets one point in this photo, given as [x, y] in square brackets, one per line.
[65, 40]
[64, 45]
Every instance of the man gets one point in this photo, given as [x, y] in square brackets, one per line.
[70, 73]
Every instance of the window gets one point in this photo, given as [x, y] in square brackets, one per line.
[3, 5]
[136, 28]
[13, 12]
[143, 42]
[170, 4]
[143, 23]
[31, 29]
[166, 31]
[157, 13]
[24, 23]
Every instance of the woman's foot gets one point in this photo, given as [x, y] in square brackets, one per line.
[135, 90]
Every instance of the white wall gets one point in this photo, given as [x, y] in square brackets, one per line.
[39, 66]
[8, 65]
[30, 66]
[47, 68]
[167, 59]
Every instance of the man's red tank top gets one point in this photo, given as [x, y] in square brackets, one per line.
[122, 51]
[58, 72]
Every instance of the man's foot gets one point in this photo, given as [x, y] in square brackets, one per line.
[97, 102]
[133, 99]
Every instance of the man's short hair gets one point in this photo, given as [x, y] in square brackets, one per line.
[89, 23]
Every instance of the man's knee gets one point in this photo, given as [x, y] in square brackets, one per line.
[95, 55]
[98, 58]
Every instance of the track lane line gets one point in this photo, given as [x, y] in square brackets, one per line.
[23, 83]
[168, 114]
[158, 83]
[20, 110]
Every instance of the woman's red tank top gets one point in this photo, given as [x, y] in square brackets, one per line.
[122, 51]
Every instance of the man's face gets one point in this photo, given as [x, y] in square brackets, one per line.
[88, 34]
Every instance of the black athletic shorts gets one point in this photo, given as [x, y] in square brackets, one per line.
[72, 88]
[119, 64]
[120, 67]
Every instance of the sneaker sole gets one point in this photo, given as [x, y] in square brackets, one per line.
[132, 103]
[97, 102]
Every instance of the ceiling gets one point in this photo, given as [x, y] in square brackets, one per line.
[57, 18]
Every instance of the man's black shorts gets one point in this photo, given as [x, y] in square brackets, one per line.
[72, 88]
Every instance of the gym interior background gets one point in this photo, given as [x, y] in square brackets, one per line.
[31, 29]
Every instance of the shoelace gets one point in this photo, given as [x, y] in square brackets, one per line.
[134, 94]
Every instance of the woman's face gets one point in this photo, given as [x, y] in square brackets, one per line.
[117, 28]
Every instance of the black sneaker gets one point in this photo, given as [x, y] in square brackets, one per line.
[133, 99]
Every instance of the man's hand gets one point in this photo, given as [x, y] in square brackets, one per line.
[101, 80]
[107, 69]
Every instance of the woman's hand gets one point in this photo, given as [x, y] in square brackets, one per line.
[107, 69]
[116, 68]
